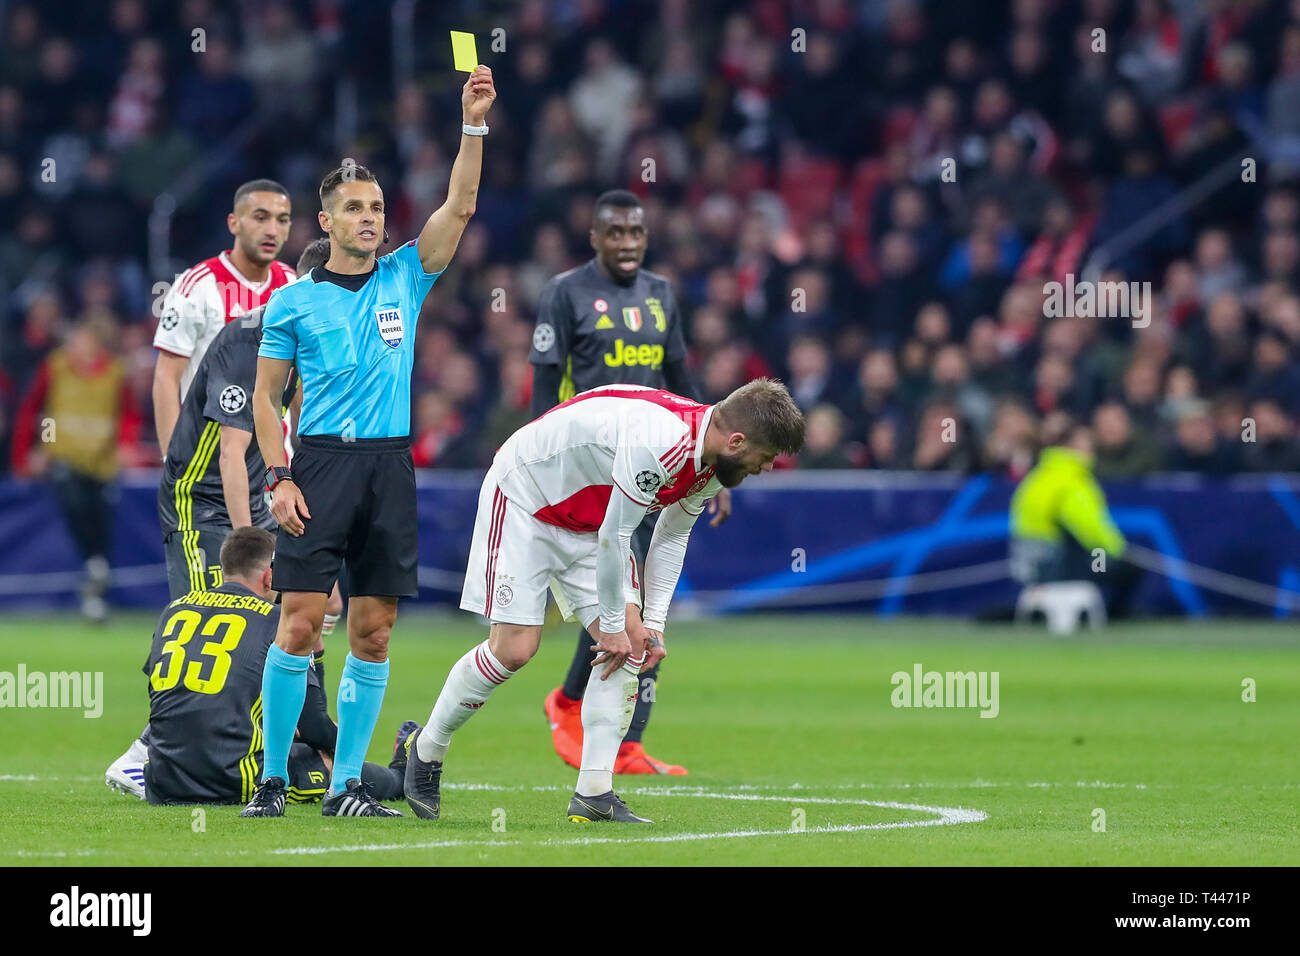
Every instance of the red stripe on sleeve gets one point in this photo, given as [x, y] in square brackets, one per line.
[25, 421]
[676, 450]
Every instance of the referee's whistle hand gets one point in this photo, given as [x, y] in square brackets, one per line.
[289, 508]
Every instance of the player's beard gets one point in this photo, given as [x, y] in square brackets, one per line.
[730, 470]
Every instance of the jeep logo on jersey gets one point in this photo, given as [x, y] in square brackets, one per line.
[628, 354]
[632, 318]
[232, 399]
[389, 321]
[648, 482]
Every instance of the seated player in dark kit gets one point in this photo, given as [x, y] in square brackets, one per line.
[205, 689]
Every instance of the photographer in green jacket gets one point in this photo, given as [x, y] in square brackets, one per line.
[1060, 521]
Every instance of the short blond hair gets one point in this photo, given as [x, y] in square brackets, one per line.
[764, 412]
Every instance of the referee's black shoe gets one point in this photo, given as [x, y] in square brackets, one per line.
[356, 801]
[268, 801]
[422, 782]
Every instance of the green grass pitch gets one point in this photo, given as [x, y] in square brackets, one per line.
[782, 721]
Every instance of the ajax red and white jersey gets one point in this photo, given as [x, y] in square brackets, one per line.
[202, 300]
[630, 440]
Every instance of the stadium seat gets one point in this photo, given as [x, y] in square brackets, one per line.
[1177, 120]
[855, 235]
[1064, 604]
[807, 187]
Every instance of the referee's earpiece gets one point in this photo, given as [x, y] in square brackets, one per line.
[385, 237]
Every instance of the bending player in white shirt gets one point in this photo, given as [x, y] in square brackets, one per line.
[556, 512]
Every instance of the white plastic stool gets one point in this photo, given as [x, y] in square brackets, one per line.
[1064, 604]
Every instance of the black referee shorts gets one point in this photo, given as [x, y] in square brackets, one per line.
[361, 495]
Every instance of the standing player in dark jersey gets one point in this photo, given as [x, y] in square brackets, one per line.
[205, 688]
[610, 322]
[212, 480]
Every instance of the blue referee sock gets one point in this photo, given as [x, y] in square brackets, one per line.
[361, 694]
[284, 688]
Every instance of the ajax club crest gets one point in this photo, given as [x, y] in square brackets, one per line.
[389, 320]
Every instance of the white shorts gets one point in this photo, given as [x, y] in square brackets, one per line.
[516, 559]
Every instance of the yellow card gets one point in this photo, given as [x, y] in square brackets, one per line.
[463, 52]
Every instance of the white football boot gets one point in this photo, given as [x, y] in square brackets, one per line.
[126, 773]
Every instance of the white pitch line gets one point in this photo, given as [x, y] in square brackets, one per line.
[945, 816]
[675, 790]
[796, 798]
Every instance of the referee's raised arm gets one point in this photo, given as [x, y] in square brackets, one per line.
[441, 234]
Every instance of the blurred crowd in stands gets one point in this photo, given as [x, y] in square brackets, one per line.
[862, 198]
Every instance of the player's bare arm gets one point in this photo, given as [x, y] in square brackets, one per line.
[720, 507]
[234, 475]
[167, 374]
[287, 504]
[441, 234]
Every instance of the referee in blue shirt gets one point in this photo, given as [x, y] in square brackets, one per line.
[350, 329]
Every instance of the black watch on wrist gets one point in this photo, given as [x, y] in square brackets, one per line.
[275, 475]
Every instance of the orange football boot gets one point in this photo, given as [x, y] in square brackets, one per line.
[632, 758]
[565, 717]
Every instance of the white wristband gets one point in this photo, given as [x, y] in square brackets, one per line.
[473, 130]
